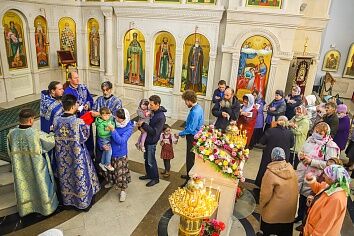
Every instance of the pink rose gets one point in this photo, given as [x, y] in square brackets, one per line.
[203, 138]
[233, 154]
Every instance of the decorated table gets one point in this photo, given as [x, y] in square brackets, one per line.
[220, 158]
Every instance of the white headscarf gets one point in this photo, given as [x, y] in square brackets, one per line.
[250, 104]
[311, 100]
[126, 121]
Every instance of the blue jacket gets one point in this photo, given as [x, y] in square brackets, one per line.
[154, 128]
[218, 93]
[119, 140]
[194, 122]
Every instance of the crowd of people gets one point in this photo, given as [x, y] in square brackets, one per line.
[300, 170]
[72, 165]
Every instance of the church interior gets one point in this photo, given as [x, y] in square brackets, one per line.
[165, 47]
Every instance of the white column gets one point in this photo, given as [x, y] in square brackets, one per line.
[177, 84]
[108, 24]
[273, 81]
[33, 56]
[4, 68]
[311, 77]
[148, 72]
[184, 1]
[234, 69]
[226, 65]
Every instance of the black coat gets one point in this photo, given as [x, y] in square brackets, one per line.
[233, 111]
[290, 107]
[274, 137]
[154, 128]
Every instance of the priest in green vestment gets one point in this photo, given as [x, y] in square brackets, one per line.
[33, 176]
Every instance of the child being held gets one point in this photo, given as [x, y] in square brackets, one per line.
[167, 140]
[144, 115]
[104, 137]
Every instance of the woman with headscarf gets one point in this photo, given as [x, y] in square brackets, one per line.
[310, 103]
[316, 151]
[120, 177]
[341, 137]
[248, 116]
[279, 136]
[299, 125]
[328, 207]
[275, 109]
[258, 127]
[278, 197]
[293, 100]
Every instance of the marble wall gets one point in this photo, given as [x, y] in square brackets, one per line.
[225, 24]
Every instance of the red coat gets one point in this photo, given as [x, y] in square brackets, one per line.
[248, 123]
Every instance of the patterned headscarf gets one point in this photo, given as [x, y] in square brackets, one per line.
[340, 177]
[278, 154]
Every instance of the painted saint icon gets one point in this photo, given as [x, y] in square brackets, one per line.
[134, 72]
[254, 66]
[165, 49]
[14, 40]
[195, 64]
[67, 33]
[40, 25]
[94, 42]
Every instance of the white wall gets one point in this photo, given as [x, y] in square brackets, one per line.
[340, 32]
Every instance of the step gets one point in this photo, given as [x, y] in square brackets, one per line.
[8, 204]
[5, 166]
[6, 183]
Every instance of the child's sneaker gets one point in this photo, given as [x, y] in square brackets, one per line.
[103, 167]
[109, 167]
[123, 196]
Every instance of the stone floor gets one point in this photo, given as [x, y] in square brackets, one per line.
[146, 211]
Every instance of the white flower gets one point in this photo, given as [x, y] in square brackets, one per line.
[229, 170]
[232, 145]
[211, 158]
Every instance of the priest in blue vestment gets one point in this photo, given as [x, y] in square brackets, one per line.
[33, 177]
[107, 100]
[50, 105]
[85, 100]
[76, 172]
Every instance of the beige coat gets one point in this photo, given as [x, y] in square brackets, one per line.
[279, 193]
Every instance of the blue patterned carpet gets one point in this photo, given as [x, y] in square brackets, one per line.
[8, 120]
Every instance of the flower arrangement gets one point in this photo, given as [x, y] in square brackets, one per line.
[212, 227]
[212, 145]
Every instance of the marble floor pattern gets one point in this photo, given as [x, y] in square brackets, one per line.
[111, 217]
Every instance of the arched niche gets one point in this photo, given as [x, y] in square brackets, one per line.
[15, 40]
[164, 57]
[41, 41]
[67, 35]
[94, 42]
[195, 65]
[254, 65]
[134, 57]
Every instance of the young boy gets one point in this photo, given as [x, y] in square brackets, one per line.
[104, 137]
